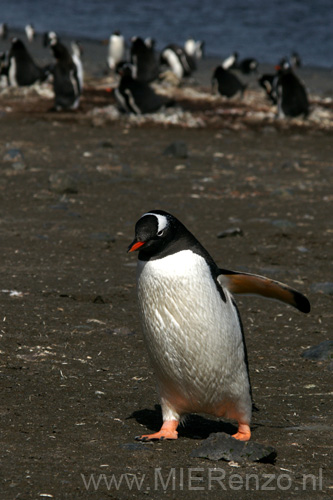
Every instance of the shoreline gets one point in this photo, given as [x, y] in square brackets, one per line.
[195, 104]
[98, 47]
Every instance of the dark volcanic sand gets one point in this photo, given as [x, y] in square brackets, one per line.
[76, 384]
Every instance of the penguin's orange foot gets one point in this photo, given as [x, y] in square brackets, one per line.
[168, 431]
[244, 433]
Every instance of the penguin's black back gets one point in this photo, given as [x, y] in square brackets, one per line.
[27, 71]
[228, 83]
[294, 100]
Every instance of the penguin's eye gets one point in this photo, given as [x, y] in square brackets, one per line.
[160, 233]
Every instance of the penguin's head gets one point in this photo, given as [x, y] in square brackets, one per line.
[155, 232]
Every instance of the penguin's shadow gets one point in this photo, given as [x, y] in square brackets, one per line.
[196, 426]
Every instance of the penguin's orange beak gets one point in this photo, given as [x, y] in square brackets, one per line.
[135, 245]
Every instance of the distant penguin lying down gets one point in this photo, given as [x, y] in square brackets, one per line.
[226, 82]
[191, 324]
[134, 96]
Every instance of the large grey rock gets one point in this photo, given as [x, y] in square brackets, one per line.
[177, 149]
[320, 352]
[221, 446]
[326, 288]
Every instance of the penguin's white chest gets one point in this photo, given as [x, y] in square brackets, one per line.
[116, 50]
[193, 336]
[174, 62]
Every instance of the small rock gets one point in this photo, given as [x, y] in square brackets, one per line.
[121, 330]
[106, 144]
[326, 288]
[62, 182]
[126, 170]
[233, 231]
[102, 237]
[221, 446]
[302, 249]
[134, 447]
[283, 224]
[177, 149]
[16, 158]
[13, 155]
[289, 165]
[98, 300]
[320, 352]
[284, 192]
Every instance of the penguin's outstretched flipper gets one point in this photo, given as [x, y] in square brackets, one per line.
[244, 283]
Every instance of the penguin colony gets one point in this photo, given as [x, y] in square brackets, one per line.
[191, 324]
[138, 64]
[192, 327]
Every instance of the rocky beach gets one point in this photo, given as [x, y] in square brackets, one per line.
[76, 383]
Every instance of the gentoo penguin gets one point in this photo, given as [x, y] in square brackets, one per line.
[30, 32]
[292, 98]
[76, 56]
[143, 58]
[226, 82]
[194, 48]
[150, 42]
[137, 97]
[191, 324]
[179, 62]
[48, 37]
[295, 60]
[3, 31]
[230, 61]
[66, 84]
[22, 69]
[248, 65]
[116, 50]
[268, 82]
[4, 67]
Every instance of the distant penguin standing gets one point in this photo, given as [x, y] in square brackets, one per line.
[295, 60]
[192, 327]
[116, 50]
[22, 69]
[292, 99]
[76, 56]
[48, 37]
[144, 60]
[3, 31]
[66, 84]
[194, 48]
[231, 61]
[248, 65]
[30, 32]
[226, 82]
[4, 68]
[150, 42]
[179, 62]
[137, 97]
